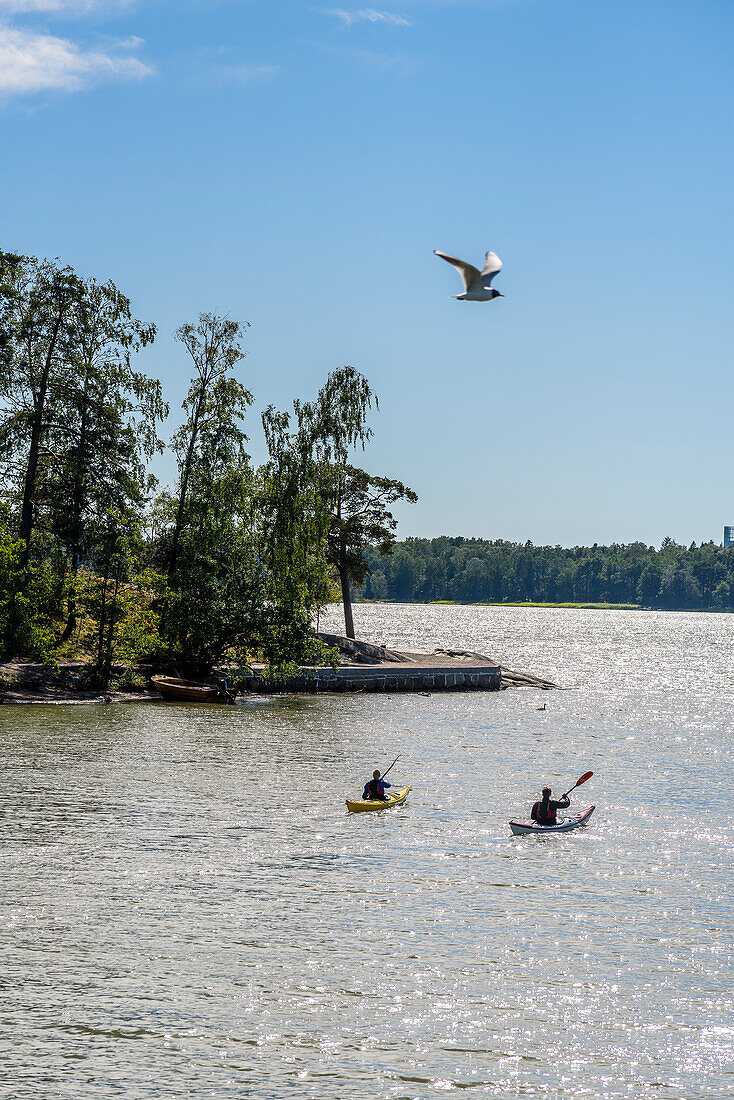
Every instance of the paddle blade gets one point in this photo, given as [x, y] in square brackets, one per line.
[584, 777]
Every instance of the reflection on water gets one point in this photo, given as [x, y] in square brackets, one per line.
[187, 909]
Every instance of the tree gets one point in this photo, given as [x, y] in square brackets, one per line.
[360, 519]
[32, 593]
[76, 418]
[245, 561]
[648, 586]
[37, 300]
[336, 422]
[294, 511]
[211, 436]
[10, 549]
[240, 590]
[104, 427]
[120, 598]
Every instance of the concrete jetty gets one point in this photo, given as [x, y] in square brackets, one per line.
[366, 668]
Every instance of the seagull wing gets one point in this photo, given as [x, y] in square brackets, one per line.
[470, 275]
[492, 264]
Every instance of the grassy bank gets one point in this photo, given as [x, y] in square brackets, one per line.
[531, 603]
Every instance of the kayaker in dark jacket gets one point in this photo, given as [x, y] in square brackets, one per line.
[544, 812]
[374, 788]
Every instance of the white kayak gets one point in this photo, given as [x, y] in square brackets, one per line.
[520, 828]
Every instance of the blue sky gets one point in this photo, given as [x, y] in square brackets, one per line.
[295, 164]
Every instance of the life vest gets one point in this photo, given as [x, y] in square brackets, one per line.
[373, 789]
[545, 816]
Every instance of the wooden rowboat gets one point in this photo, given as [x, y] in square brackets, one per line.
[189, 691]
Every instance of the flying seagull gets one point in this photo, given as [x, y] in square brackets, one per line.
[477, 284]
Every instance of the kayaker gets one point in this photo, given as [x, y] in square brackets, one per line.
[374, 788]
[544, 812]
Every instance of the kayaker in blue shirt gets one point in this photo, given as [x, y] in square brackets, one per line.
[544, 812]
[374, 788]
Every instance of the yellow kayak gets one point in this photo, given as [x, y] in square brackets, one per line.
[362, 805]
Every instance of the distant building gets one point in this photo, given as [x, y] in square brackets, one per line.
[728, 536]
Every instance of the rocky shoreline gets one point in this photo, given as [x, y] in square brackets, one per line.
[24, 682]
[363, 667]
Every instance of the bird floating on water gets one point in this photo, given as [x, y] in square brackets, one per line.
[477, 284]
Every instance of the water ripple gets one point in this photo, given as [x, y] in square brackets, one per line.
[187, 909]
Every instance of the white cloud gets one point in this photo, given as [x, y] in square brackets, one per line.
[367, 15]
[31, 62]
[244, 73]
[71, 7]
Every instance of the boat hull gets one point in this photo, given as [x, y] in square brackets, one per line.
[187, 691]
[520, 828]
[366, 805]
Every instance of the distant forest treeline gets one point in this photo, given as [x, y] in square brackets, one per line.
[475, 570]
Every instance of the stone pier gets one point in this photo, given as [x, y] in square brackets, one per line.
[366, 667]
[403, 676]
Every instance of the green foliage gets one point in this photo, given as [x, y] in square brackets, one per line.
[32, 593]
[250, 568]
[129, 680]
[82, 545]
[361, 518]
[246, 563]
[478, 571]
[37, 300]
[211, 439]
[120, 600]
[10, 548]
[336, 422]
[37, 606]
[293, 505]
[358, 503]
[228, 596]
[76, 422]
[236, 593]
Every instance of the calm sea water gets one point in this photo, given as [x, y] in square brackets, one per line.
[188, 911]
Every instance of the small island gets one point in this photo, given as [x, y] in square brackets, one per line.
[362, 667]
[108, 578]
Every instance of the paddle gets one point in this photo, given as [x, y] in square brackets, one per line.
[396, 760]
[584, 777]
